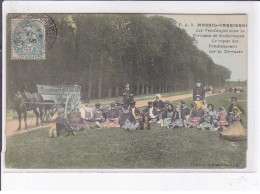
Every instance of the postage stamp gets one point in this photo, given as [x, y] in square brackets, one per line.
[27, 39]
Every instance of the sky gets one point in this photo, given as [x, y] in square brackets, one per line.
[236, 62]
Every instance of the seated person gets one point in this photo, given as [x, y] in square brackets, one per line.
[127, 120]
[176, 120]
[185, 112]
[213, 113]
[62, 123]
[168, 112]
[118, 106]
[200, 103]
[206, 121]
[169, 109]
[112, 117]
[159, 105]
[222, 122]
[98, 116]
[87, 116]
[195, 116]
[234, 116]
[135, 111]
[233, 105]
[151, 112]
[112, 112]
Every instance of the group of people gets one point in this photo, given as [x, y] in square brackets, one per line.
[127, 116]
[234, 90]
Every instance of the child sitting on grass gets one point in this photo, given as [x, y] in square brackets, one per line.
[176, 118]
[206, 121]
[222, 122]
[195, 116]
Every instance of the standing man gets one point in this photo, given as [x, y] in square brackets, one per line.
[128, 94]
[198, 91]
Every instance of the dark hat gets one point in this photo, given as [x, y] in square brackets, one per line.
[97, 105]
[112, 104]
[234, 98]
[167, 102]
[183, 102]
[150, 102]
[197, 81]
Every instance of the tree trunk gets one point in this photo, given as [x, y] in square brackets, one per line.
[142, 88]
[117, 92]
[109, 93]
[100, 85]
[90, 78]
[89, 88]
[137, 88]
[147, 89]
[160, 89]
[152, 90]
[100, 79]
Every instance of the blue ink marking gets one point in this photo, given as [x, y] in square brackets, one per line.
[28, 40]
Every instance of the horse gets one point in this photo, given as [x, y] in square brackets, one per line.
[24, 102]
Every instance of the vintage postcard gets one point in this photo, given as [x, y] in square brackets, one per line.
[126, 91]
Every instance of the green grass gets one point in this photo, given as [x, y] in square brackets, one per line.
[117, 148]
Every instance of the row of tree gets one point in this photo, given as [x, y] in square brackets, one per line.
[103, 52]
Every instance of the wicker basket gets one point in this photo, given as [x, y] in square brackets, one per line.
[234, 132]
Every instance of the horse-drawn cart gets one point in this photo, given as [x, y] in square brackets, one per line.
[67, 96]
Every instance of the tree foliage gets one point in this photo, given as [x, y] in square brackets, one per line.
[101, 52]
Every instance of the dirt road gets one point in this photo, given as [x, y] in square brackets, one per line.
[12, 124]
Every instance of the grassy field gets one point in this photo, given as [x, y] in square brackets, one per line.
[118, 148]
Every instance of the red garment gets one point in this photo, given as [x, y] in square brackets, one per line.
[222, 119]
[194, 122]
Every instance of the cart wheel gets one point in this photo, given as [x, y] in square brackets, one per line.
[47, 114]
[72, 103]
